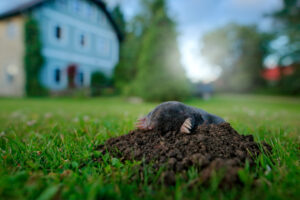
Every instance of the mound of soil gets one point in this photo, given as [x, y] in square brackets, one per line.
[209, 147]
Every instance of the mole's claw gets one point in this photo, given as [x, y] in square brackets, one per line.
[141, 124]
[142, 119]
[186, 126]
[184, 130]
[141, 127]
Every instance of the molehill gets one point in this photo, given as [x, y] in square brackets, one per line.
[208, 148]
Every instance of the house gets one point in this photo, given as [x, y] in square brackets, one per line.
[78, 37]
[203, 90]
[276, 73]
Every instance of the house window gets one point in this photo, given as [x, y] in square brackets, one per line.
[81, 78]
[57, 75]
[9, 78]
[104, 20]
[11, 30]
[103, 46]
[101, 18]
[94, 13]
[58, 32]
[11, 73]
[62, 3]
[76, 6]
[82, 40]
[89, 10]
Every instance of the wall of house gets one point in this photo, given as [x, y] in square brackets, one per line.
[75, 32]
[11, 57]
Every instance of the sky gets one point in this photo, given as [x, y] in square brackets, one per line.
[196, 17]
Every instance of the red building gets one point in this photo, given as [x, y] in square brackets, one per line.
[276, 73]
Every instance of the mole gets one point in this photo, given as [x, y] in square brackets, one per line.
[176, 116]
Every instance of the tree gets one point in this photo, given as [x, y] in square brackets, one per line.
[125, 71]
[119, 19]
[33, 59]
[239, 51]
[160, 75]
[288, 19]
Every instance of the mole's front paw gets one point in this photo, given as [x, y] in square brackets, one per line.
[186, 126]
[142, 124]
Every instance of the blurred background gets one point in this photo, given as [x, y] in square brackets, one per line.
[155, 50]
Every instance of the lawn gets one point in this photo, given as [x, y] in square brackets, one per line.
[46, 147]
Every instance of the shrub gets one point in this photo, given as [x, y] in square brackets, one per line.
[33, 60]
[99, 83]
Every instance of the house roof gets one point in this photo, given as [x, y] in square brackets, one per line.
[19, 9]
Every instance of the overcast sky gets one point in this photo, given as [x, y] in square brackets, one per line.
[194, 18]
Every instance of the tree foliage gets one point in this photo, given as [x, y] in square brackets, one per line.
[289, 18]
[125, 71]
[33, 59]
[160, 75]
[239, 51]
[290, 84]
[119, 19]
[289, 21]
[99, 82]
[149, 60]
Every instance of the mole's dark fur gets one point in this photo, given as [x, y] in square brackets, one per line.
[174, 116]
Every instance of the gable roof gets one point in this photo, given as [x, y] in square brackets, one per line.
[35, 3]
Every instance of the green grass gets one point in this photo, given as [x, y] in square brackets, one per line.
[46, 147]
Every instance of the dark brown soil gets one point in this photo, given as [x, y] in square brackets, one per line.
[208, 148]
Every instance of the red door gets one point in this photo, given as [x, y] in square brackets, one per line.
[71, 71]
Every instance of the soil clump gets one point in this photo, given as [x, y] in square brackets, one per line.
[208, 148]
